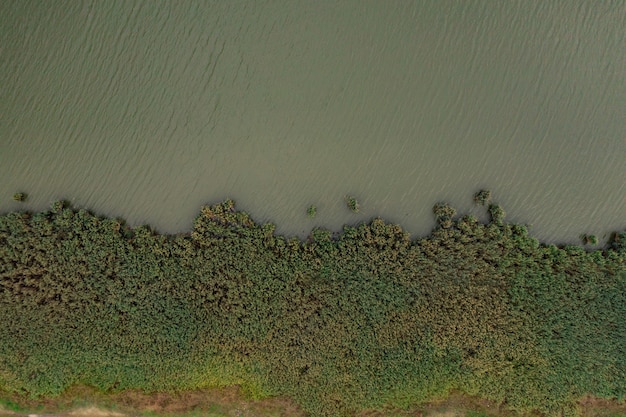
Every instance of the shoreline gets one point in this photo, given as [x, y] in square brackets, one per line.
[229, 401]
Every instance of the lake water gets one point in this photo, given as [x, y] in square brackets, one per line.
[147, 110]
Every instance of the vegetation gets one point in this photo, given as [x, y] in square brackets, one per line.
[497, 213]
[483, 197]
[227, 402]
[589, 240]
[363, 319]
[444, 214]
[20, 197]
[311, 211]
[352, 204]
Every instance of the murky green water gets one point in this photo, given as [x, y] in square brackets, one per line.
[147, 109]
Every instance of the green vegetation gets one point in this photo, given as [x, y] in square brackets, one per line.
[589, 240]
[352, 204]
[497, 213]
[483, 197]
[444, 214]
[20, 196]
[363, 319]
[311, 211]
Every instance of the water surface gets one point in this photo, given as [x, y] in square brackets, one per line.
[147, 110]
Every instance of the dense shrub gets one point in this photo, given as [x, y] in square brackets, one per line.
[340, 322]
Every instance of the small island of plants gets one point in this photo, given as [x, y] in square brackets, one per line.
[353, 204]
[20, 197]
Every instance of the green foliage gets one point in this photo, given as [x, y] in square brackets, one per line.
[483, 197]
[352, 204]
[311, 211]
[20, 196]
[497, 213]
[340, 322]
[443, 214]
[589, 239]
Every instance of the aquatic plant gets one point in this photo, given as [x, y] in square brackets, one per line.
[341, 322]
[482, 197]
[497, 213]
[589, 239]
[352, 204]
[311, 211]
[444, 214]
[20, 196]
[59, 205]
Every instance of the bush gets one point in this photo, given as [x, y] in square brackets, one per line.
[352, 204]
[341, 323]
[482, 197]
[497, 214]
[444, 214]
[589, 239]
[20, 197]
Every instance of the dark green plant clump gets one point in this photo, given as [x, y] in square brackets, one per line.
[20, 197]
[589, 240]
[444, 214]
[483, 197]
[311, 211]
[352, 204]
[339, 322]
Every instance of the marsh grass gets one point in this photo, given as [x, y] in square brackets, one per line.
[353, 204]
[482, 197]
[341, 322]
[589, 239]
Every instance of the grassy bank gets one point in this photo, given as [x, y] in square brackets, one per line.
[340, 323]
[79, 401]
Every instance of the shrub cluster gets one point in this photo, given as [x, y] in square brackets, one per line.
[340, 322]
